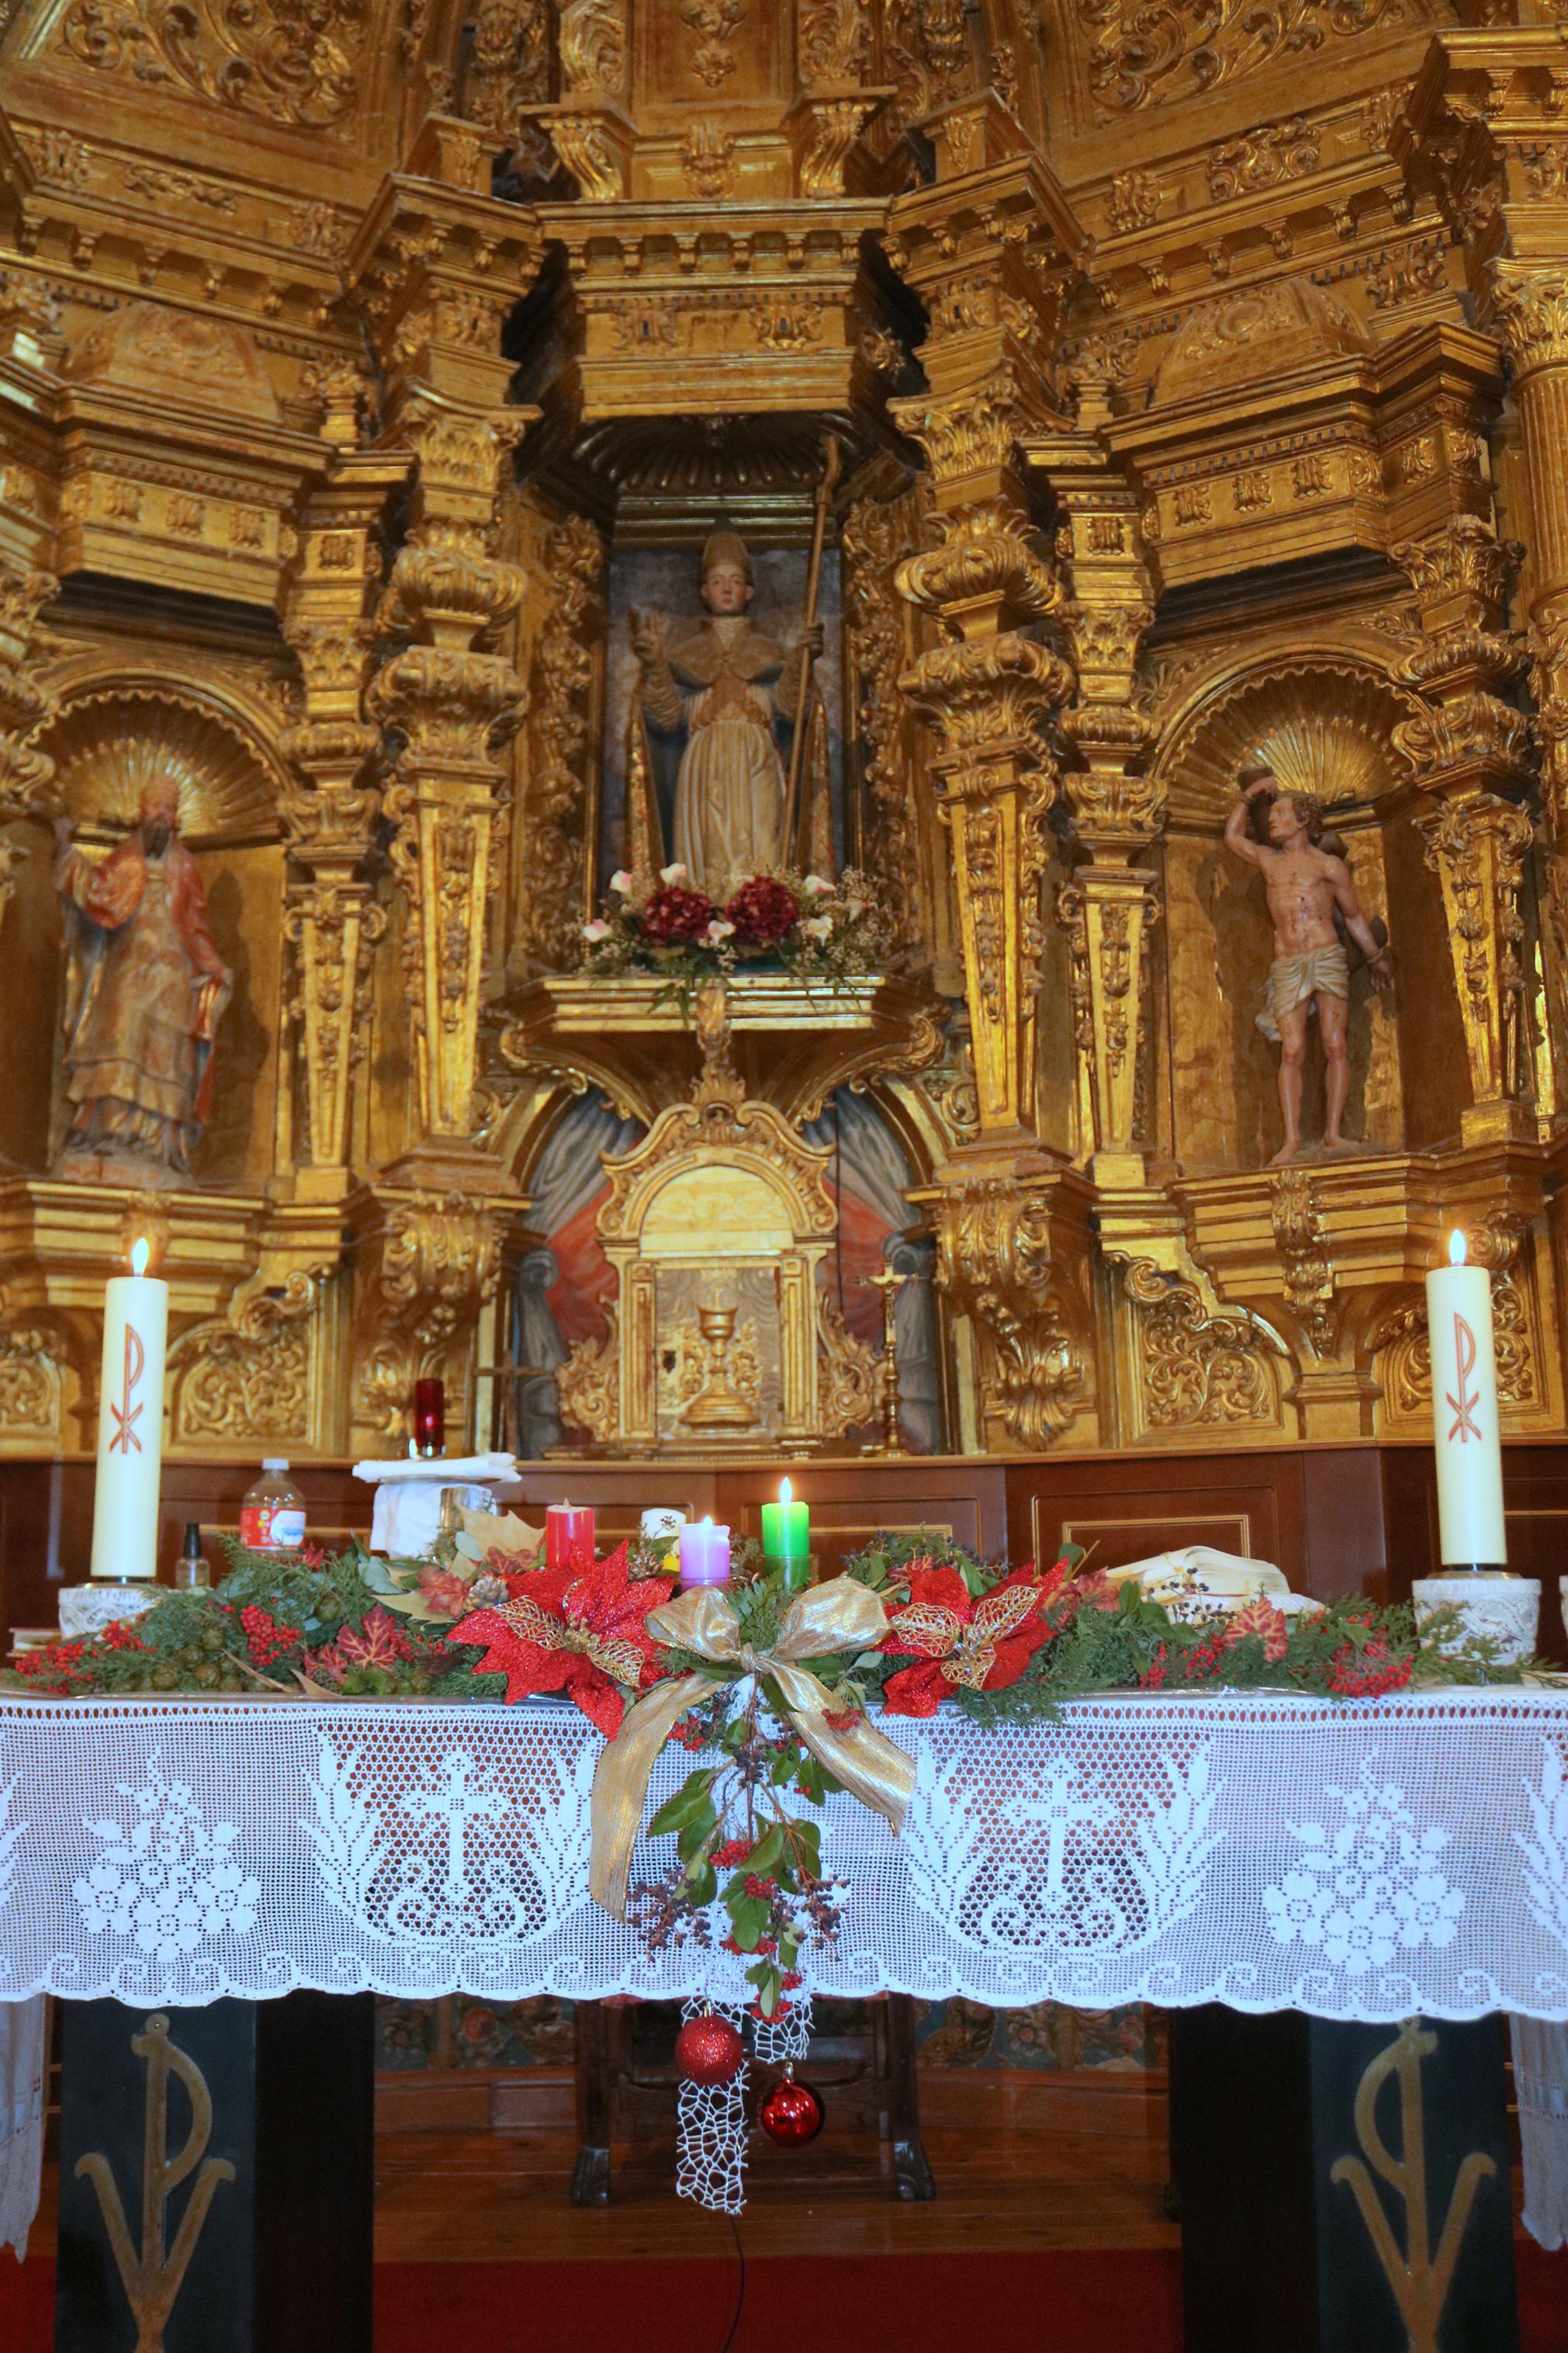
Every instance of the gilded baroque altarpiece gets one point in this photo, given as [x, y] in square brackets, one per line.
[1201, 401]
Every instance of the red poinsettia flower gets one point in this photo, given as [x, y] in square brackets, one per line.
[580, 1632]
[977, 1644]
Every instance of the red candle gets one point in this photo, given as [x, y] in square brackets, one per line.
[569, 1537]
[429, 1417]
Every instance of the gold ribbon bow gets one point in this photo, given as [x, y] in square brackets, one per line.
[838, 1616]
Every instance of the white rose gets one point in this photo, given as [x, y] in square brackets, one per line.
[817, 927]
[673, 874]
[620, 881]
[596, 931]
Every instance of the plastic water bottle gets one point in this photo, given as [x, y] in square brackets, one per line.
[272, 1517]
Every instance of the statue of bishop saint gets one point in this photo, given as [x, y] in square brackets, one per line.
[719, 702]
[145, 991]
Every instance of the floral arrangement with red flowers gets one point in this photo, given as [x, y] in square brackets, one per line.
[579, 1632]
[662, 924]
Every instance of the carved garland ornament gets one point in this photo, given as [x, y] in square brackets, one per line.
[1160, 52]
[249, 1376]
[1199, 1368]
[994, 1261]
[281, 59]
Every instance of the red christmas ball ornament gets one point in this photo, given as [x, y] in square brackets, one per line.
[791, 2112]
[708, 2050]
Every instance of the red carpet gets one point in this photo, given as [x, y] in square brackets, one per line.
[1073, 2303]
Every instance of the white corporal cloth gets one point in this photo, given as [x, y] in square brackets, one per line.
[406, 1518]
[1354, 1860]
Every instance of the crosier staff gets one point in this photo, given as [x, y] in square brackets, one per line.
[832, 460]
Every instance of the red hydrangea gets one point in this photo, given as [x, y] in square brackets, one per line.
[675, 916]
[762, 910]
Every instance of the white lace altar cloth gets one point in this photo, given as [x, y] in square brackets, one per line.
[1357, 1861]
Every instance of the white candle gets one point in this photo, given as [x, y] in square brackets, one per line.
[131, 1425]
[659, 1523]
[1465, 1414]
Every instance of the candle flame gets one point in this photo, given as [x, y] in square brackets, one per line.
[1456, 1248]
[787, 1492]
[141, 1251]
[707, 1522]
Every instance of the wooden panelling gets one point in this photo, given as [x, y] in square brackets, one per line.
[1335, 1519]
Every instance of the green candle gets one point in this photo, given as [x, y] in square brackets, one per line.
[786, 1533]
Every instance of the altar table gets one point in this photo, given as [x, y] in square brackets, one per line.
[1366, 1863]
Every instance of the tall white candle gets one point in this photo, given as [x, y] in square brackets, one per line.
[131, 1424]
[1465, 1414]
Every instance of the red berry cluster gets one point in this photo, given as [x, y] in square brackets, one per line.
[1368, 1673]
[265, 1638]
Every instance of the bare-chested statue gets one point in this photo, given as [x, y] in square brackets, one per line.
[1308, 887]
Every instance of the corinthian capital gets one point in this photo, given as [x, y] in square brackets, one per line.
[1528, 307]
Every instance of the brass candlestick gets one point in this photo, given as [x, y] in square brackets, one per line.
[889, 1284]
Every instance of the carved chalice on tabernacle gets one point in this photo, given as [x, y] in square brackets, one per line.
[719, 1405]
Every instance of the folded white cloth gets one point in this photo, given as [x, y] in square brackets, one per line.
[21, 2118]
[1540, 2085]
[451, 1471]
[1199, 1569]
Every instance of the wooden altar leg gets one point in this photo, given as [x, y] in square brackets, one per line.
[1342, 2188]
[216, 2176]
[912, 2176]
[595, 2104]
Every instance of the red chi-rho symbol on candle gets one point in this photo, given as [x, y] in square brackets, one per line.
[126, 1415]
[1464, 1406]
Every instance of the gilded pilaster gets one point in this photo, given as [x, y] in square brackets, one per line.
[991, 268]
[25, 773]
[332, 919]
[441, 265]
[1111, 903]
[1469, 753]
[1485, 126]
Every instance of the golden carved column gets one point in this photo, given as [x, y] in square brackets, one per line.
[451, 704]
[1470, 755]
[26, 775]
[1109, 903]
[331, 918]
[1485, 124]
[1530, 308]
[440, 264]
[989, 266]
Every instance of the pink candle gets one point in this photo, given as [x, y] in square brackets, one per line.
[569, 1537]
[704, 1554]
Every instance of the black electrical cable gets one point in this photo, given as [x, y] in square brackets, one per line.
[741, 2288]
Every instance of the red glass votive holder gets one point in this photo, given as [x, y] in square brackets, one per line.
[429, 1417]
[569, 1537]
